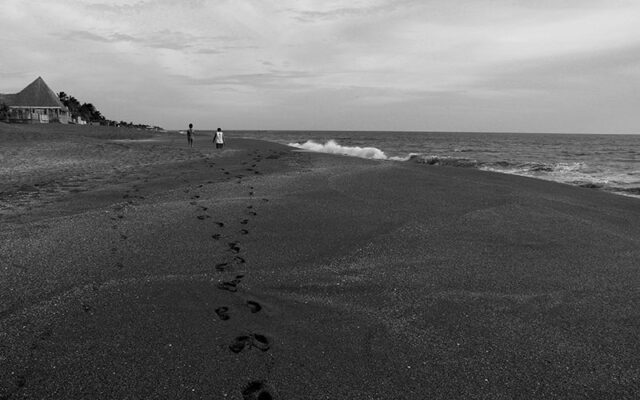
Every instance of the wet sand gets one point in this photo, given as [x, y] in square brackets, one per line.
[144, 269]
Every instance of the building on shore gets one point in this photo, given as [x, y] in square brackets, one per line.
[36, 103]
[77, 120]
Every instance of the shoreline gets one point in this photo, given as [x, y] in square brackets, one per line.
[576, 171]
[261, 269]
[124, 135]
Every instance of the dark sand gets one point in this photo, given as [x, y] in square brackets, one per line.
[145, 270]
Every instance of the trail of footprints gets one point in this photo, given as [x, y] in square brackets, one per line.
[254, 390]
[233, 280]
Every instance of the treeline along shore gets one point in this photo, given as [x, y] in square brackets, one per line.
[134, 267]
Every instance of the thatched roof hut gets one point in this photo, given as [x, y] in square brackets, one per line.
[36, 103]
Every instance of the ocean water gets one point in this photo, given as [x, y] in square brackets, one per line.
[602, 162]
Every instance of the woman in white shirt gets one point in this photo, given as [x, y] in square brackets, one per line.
[218, 139]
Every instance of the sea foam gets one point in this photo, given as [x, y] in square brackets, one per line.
[332, 147]
[606, 162]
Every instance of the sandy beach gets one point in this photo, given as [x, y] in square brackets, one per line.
[141, 268]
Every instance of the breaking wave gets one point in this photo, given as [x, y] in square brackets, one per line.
[573, 173]
[332, 147]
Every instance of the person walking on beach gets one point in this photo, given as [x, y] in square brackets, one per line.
[218, 139]
[190, 135]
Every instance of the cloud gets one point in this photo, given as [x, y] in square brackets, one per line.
[165, 39]
[567, 71]
[331, 61]
[84, 35]
[341, 12]
[121, 37]
[270, 79]
[126, 7]
[115, 8]
[209, 51]
[90, 36]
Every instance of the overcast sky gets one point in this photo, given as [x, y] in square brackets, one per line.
[425, 65]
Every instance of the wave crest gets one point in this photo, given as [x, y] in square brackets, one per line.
[332, 147]
[533, 168]
[574, 173]
[444, 161]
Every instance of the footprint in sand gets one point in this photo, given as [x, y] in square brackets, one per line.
[201, 217]
[221, 266]
[244, 221]
[244, 232]
[220, 224]
[254, 306]
[259, 341]
[216, 236]
[257, 390]
[222, 313]
[231, 286]
[233, 246]
[239, 259]
[239, 343]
